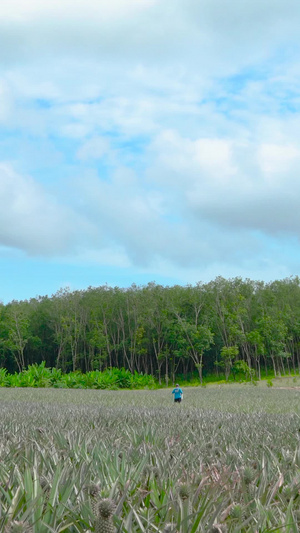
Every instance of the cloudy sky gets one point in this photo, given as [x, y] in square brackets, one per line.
[148, 140]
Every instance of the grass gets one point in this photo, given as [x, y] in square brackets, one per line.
[226, 459]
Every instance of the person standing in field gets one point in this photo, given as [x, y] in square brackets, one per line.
[178, 394]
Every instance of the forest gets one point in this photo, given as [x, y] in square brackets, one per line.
[224, 326]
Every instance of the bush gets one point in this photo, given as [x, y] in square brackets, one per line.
[4, 380]
[41, 376]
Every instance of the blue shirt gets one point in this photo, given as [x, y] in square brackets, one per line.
[178, 392]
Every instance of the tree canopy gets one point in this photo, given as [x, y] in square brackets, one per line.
[158, 330]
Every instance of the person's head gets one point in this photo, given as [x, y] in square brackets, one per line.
[177, 385]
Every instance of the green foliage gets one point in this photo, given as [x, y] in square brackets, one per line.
[112, 378]
[4, 380]
[228, 354]
[241, 367]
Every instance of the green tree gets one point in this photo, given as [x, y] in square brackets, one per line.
[228, 355]
[18, 332]
[199, 339]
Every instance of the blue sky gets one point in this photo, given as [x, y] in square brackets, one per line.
[154, 140]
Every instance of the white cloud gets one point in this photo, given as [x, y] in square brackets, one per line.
[94, 148]
[235, 187]
[212, 156]
[276, 159]
[6, 102]
[30, 219]
[205, 37]
[17, 10]
[124, 214]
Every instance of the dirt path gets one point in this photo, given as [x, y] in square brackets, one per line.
[288, 388]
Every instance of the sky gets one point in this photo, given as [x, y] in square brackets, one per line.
[147, 140]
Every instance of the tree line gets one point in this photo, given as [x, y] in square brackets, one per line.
[223, 326]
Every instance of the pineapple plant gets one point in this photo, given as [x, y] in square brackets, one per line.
[104, 522]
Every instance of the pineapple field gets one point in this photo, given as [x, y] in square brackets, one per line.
[227, 459]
